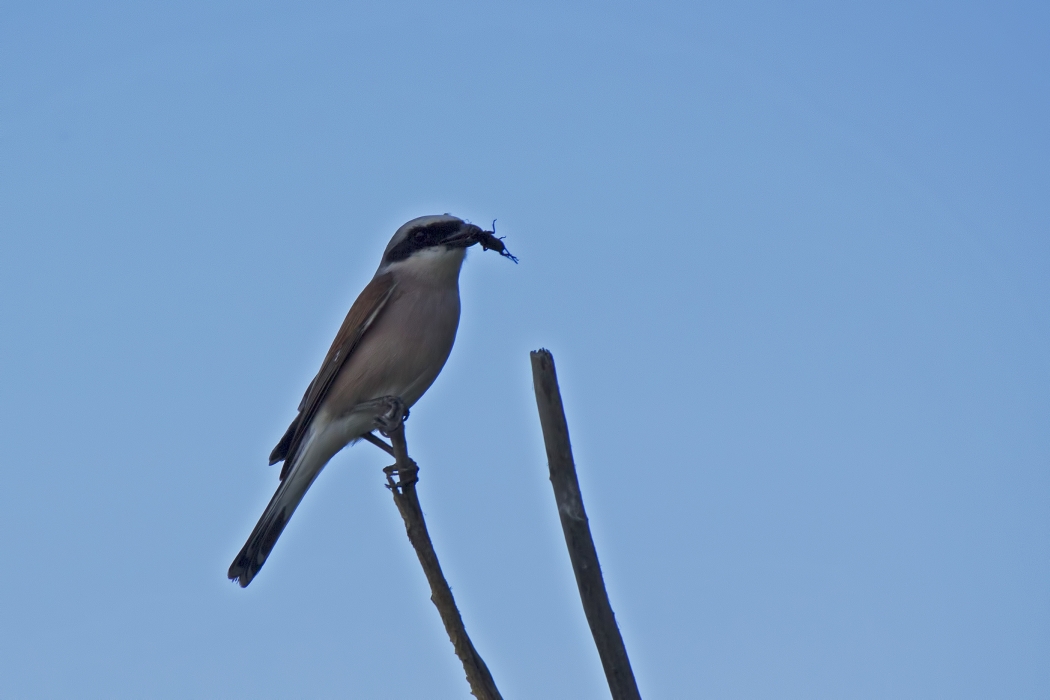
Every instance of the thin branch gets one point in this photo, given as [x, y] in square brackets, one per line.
[577, 531]
[404, 490]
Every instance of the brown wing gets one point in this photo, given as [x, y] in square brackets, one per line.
[362, 314]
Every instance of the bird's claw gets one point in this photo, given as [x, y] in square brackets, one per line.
[391, 413]
[403, 480]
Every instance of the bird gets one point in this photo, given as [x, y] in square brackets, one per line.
[392, 345]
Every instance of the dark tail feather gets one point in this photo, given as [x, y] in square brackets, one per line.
[281, 451]
[254, 552]
[297, 475]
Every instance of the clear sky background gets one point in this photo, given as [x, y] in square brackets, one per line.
[793, 262]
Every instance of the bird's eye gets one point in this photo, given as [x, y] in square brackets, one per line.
[419, 236]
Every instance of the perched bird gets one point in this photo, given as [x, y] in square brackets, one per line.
[392, 345]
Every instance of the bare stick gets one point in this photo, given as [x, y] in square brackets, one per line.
[578, 532]
[481, 684]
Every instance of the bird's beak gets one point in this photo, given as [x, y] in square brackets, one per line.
[469, 234]
[466, 236]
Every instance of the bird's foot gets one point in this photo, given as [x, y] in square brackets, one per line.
[390, 414]
[406, 478]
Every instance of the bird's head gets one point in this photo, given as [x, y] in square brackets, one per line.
[436, 239]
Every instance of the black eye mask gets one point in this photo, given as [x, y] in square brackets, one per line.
[454, 234]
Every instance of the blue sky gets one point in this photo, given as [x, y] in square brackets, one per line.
[792, 261]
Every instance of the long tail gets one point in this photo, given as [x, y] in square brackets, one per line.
[270, 526]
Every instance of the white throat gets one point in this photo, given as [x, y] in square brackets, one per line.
[437, 266]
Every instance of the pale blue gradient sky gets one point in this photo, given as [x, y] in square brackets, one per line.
[793, 261]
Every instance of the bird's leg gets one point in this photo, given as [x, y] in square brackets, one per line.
[404, 477]
[405, 468]
[378, 442]
[388, 417]
[389, 413]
